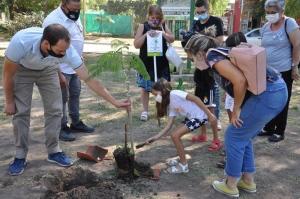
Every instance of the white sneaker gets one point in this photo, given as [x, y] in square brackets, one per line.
[219, 125]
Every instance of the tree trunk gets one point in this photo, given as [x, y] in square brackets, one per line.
[45, 7]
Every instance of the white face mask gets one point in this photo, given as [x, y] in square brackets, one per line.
[200, 64]
[158, 98]
[272, 18]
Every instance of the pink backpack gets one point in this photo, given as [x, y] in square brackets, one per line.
[251, 60]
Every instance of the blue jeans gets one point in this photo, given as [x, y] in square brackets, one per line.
[71, 95]
[255, 113]
[217, 101]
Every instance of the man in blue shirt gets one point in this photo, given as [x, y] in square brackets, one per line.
[33, 57]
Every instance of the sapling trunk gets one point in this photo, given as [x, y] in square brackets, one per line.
[129, 112]
[125, 147]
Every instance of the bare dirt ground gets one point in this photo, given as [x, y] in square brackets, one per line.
[277, 164]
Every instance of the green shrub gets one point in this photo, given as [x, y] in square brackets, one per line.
[22, 21]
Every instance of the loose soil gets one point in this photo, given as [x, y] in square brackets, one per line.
[277, 163]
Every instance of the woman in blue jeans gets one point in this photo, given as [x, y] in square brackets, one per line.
[250, 112]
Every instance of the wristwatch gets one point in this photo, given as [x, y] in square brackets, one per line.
[293, 64]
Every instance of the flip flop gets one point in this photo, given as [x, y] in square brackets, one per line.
[199, 138]
[215, 145]
[221, 164]
[223, 153]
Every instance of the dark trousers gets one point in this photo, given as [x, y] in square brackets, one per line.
[277, 125]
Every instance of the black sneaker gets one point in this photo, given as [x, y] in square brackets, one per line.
[276, 138]
[265, 133]
[81, 127]
[66, 134]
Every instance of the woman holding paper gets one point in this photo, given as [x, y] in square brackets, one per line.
[158, 35]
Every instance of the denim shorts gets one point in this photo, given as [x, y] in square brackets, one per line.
[146, 84]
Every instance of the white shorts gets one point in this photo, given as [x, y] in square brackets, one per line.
[229, 102]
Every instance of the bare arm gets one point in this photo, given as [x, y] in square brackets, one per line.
[212, 119]
[164, 131]
[219, 40]
[237, 78]
[98, 88]
[9, 69]
[168, 35]
[62, 79]
[139, 37]
[295, 41]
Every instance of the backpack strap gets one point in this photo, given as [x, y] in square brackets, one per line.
[285, 23]
[216, 50]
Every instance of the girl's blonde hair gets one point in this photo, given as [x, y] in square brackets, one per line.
[154, 9]
[202, 42]
[165, 88]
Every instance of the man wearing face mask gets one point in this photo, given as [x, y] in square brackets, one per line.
[32, 58]
[67, 14]
[205, 20]
[281, 39]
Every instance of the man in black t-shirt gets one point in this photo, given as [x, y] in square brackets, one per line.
[205, 20]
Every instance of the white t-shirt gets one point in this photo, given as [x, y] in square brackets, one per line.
[76, 32]
[180, 105]
[229, 102]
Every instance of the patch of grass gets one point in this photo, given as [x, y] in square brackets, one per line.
[6, 157]
[293, 179]
[36, 128]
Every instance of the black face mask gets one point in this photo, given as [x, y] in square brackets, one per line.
[53, 54]
[72, 14]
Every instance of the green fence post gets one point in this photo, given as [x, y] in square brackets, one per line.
[192, 11]
[158, 2]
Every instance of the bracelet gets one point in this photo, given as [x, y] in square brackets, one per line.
[293, 64]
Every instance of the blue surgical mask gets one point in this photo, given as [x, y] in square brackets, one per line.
[154, 22]
[202, 17]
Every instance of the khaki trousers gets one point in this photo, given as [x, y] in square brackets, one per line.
[47, 82]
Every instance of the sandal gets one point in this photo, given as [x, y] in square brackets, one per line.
[215, 145]
[144, 116]
[199, 138]
[172, 162]
[221, 164]
[184, 169]
[223, 153]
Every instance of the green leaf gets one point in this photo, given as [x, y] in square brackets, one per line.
[134, 62]
[115, 61]
[110, 61]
